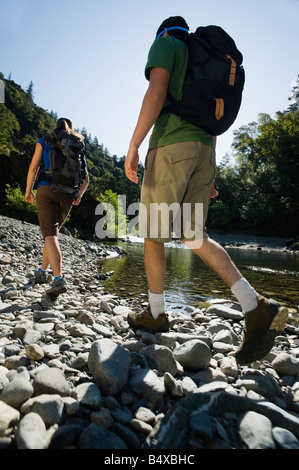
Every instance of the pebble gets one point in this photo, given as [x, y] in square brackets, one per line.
[31, 433]
[256, 431]
[74, 375]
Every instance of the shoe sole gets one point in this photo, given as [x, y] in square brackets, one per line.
[40, 281]
[163, 329]
[57, 293]
[267, 340]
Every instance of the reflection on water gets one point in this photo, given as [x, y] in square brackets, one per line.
[189, 282]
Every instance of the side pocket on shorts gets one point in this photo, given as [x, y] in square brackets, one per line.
[148, 167]
[149, 160]
[213, 163]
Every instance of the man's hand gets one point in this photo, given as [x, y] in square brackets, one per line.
[131, 164]
[152, 104]
[214, 192]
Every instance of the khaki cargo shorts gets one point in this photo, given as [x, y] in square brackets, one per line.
[176, 190]
[53, 208]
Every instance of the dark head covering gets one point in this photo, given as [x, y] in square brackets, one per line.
[171, 22]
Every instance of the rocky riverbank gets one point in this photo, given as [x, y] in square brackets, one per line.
[74, 375]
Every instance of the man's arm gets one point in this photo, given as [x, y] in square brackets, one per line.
[152, 105]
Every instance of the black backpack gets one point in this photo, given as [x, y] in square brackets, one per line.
[214, 81]
[67, 165]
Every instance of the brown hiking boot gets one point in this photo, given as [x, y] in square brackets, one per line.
[261, 327]
[145, 321]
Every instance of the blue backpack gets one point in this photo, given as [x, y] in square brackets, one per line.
[68, 166]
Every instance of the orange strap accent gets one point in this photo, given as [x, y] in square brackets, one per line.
[219, 109]
[233, 71]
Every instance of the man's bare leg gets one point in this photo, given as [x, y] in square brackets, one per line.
[155, 267]
[153, 319]
[218, 260]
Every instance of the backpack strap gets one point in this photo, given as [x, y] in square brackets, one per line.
[170, 29]
[233, 71]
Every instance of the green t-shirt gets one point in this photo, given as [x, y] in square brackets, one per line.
[171, 54]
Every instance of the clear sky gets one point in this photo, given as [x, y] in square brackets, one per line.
[86, 58]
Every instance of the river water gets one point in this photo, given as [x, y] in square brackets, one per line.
[189, 282]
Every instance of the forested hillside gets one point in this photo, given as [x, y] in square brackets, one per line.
[259, 189]
[22, 123]
[257, 183]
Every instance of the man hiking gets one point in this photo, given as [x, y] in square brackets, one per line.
[180, 169]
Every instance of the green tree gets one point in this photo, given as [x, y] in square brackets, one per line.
[267, 167]
[294, 98]
[29, 90]
[220, 215]
[9, 126]
[278, 145]
[115, 216]
[17, 207]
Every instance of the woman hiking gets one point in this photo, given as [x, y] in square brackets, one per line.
[53, 206]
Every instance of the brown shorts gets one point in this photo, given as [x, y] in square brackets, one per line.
[176, 191]
[53, 208]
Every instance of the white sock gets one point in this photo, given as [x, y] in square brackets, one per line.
[245, 294]
[157, 304]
